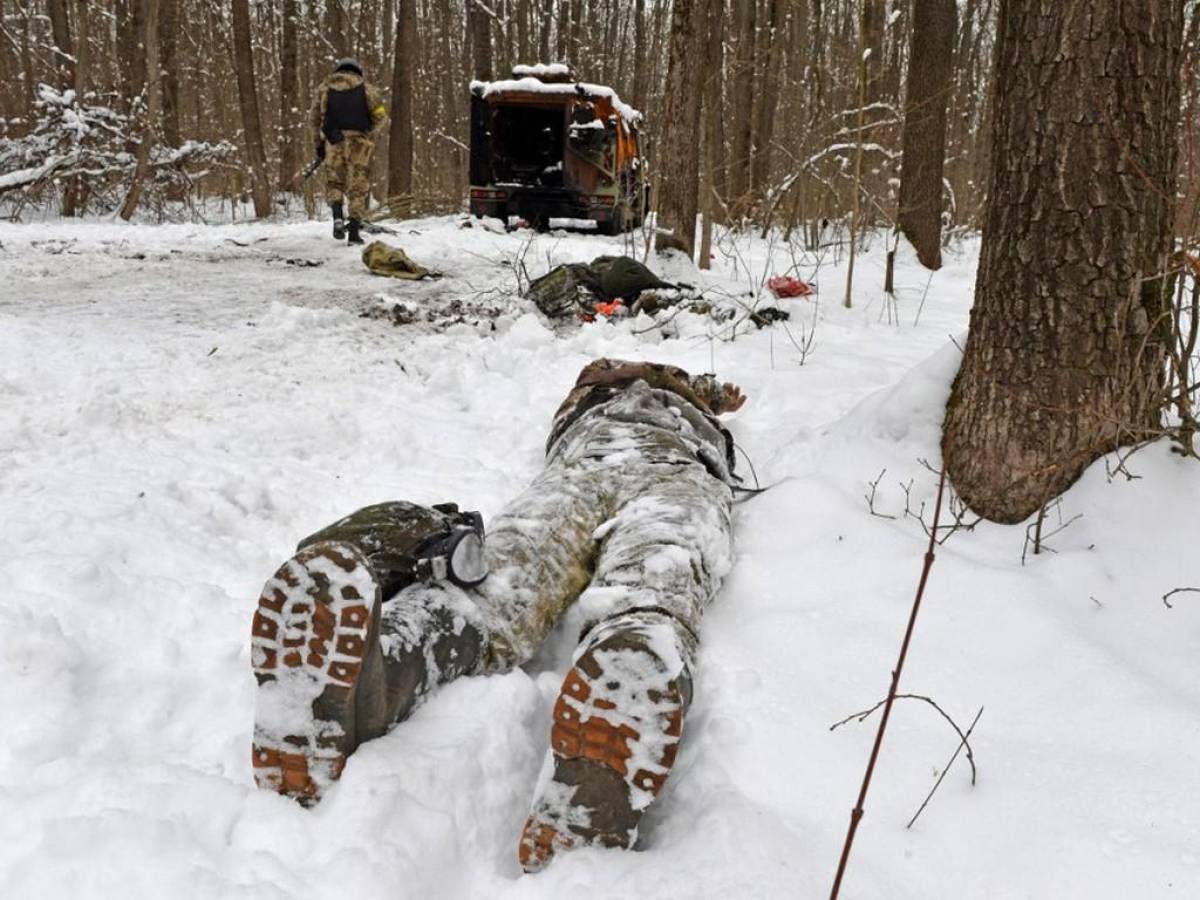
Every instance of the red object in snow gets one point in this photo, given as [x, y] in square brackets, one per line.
[610, 309]
[787, 286]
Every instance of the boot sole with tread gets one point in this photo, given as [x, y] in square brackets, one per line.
[614, 739]
[309, 640]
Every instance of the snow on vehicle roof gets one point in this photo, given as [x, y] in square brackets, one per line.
[542, 70]
[532, 85]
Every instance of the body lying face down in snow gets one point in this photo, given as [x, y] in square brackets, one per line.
[630, 519]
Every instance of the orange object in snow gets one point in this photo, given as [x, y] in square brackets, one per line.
[609, 309]
[787, 286]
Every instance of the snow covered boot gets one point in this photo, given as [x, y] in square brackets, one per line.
[339, 222]
[314, 632]
[354, 237]
[617, 724]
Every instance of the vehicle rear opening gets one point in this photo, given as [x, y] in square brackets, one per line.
[527, 145]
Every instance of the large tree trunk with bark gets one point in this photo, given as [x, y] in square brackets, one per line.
[1065, 357]
[400, 156]
[930, 66]
[679, 150]
[243, 62]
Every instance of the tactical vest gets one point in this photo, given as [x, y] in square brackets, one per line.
[347, 110]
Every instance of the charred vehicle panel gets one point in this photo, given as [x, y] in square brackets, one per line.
[544, 146]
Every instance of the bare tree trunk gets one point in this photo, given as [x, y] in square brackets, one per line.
[1065, 357]
[856, 199]
[60, 32]
[135, 50]
[400, 159]
[768, 94]
[743, 101]
[480, 26]
[75, 76]
[930, 66]
[712, 118]
[243, 62]
[335, 29]
[83, 49]
[523, 41]
[872, 41]
[639, 54]
[545, 19]
[289, 113]
[149, 20]
[30, 76]
[679, 152]
[575, 47]
[167, 47]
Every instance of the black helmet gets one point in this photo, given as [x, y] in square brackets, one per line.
[348, 65]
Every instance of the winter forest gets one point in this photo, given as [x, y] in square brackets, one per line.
[813, 384]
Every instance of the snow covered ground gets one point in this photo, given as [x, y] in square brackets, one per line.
[180, 404]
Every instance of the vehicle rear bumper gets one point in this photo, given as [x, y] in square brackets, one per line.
[540, 204]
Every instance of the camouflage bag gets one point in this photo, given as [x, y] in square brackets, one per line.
[575, 287]
[562, 291]
[392, 262]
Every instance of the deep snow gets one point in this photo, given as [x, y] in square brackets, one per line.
[180, 404]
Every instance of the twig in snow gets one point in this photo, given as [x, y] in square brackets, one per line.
[865, 714]
[946, 768]
[1184, 590]
[924, 294]
[1037, 539]
[870, 498]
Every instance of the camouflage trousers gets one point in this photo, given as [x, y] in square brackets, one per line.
[624, 525]
[348, 172]
[623, 519]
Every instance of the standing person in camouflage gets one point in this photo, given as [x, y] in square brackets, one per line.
[630, 520]
[346, 113]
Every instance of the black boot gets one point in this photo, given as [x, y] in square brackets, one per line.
[339, 222]
[354, 237]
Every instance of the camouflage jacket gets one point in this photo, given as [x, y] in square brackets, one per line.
[603, 379]
[346, 81]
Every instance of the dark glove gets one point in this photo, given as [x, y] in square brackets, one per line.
[333, 135]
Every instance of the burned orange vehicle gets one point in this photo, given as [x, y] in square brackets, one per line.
[545, 146]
